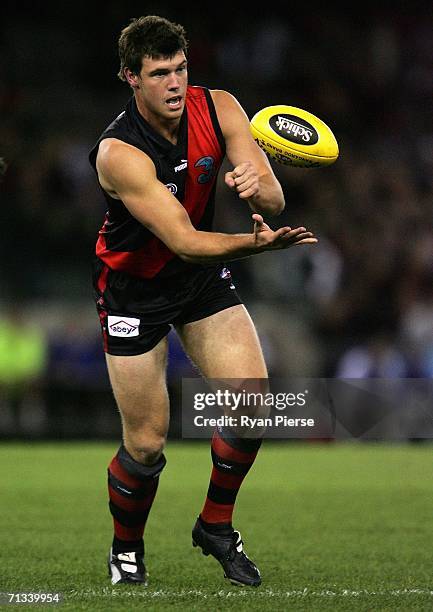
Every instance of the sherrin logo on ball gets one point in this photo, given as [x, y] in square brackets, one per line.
[294, 137]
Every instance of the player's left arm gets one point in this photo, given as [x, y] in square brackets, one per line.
[252, 176]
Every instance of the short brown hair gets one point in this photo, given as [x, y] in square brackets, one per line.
[149, 36]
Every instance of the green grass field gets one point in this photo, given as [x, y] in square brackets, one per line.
[331, 526]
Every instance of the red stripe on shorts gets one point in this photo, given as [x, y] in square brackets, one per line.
[102, 280]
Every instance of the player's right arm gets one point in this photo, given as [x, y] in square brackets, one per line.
[128, 174]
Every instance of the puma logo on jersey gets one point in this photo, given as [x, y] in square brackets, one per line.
[181, 166]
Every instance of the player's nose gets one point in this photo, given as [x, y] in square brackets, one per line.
[173, 81]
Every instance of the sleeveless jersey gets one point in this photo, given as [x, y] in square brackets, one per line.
[188, 169]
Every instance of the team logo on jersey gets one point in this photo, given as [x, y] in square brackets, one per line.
[123, 327]
[207, 163]
[172, 188]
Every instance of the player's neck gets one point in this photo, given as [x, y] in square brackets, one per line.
[168, 128]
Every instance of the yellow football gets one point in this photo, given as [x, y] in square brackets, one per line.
[294, 137]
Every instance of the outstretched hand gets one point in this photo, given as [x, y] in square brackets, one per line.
[282, 238]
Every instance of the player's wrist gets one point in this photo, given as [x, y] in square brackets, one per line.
[260, 244]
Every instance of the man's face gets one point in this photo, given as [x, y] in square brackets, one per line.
[162, 86]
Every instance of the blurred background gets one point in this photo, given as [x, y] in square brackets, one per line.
[359, 304]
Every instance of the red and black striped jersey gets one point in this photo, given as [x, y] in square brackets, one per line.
[188, 169]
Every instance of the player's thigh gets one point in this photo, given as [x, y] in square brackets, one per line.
[140, 390]
[225, 345]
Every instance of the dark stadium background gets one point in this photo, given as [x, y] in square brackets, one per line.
[360, 304]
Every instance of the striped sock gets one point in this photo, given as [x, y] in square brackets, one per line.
[232, 458]
[132, 488]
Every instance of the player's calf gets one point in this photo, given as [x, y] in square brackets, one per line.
[232, 459]
[132, 488]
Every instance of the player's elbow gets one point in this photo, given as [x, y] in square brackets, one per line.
[276, 208]
[185, 242]
[271, 208]
[277, 203]
[185, 248]
[190, 256]
[187, 257]
[270, 199]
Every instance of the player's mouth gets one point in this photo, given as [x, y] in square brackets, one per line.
[175, 102]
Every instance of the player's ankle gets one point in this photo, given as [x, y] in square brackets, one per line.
[216, 528]
[123, 546]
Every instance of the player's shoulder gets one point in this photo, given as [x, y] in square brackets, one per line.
[229, 111]
[113, 147]
[223, 98]
[114, 153]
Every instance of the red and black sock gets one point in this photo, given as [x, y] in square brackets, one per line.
[232, 458]
[132, 488]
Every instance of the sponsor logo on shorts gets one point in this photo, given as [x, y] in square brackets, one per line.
[172, 187]
[123, 327]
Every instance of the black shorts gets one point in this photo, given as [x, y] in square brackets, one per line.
[136, 313]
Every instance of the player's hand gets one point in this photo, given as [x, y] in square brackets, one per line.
[243, 179]
[283, 238]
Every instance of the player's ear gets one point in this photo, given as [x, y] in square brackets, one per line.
[131, 78]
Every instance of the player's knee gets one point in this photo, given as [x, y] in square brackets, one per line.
[147, 449]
